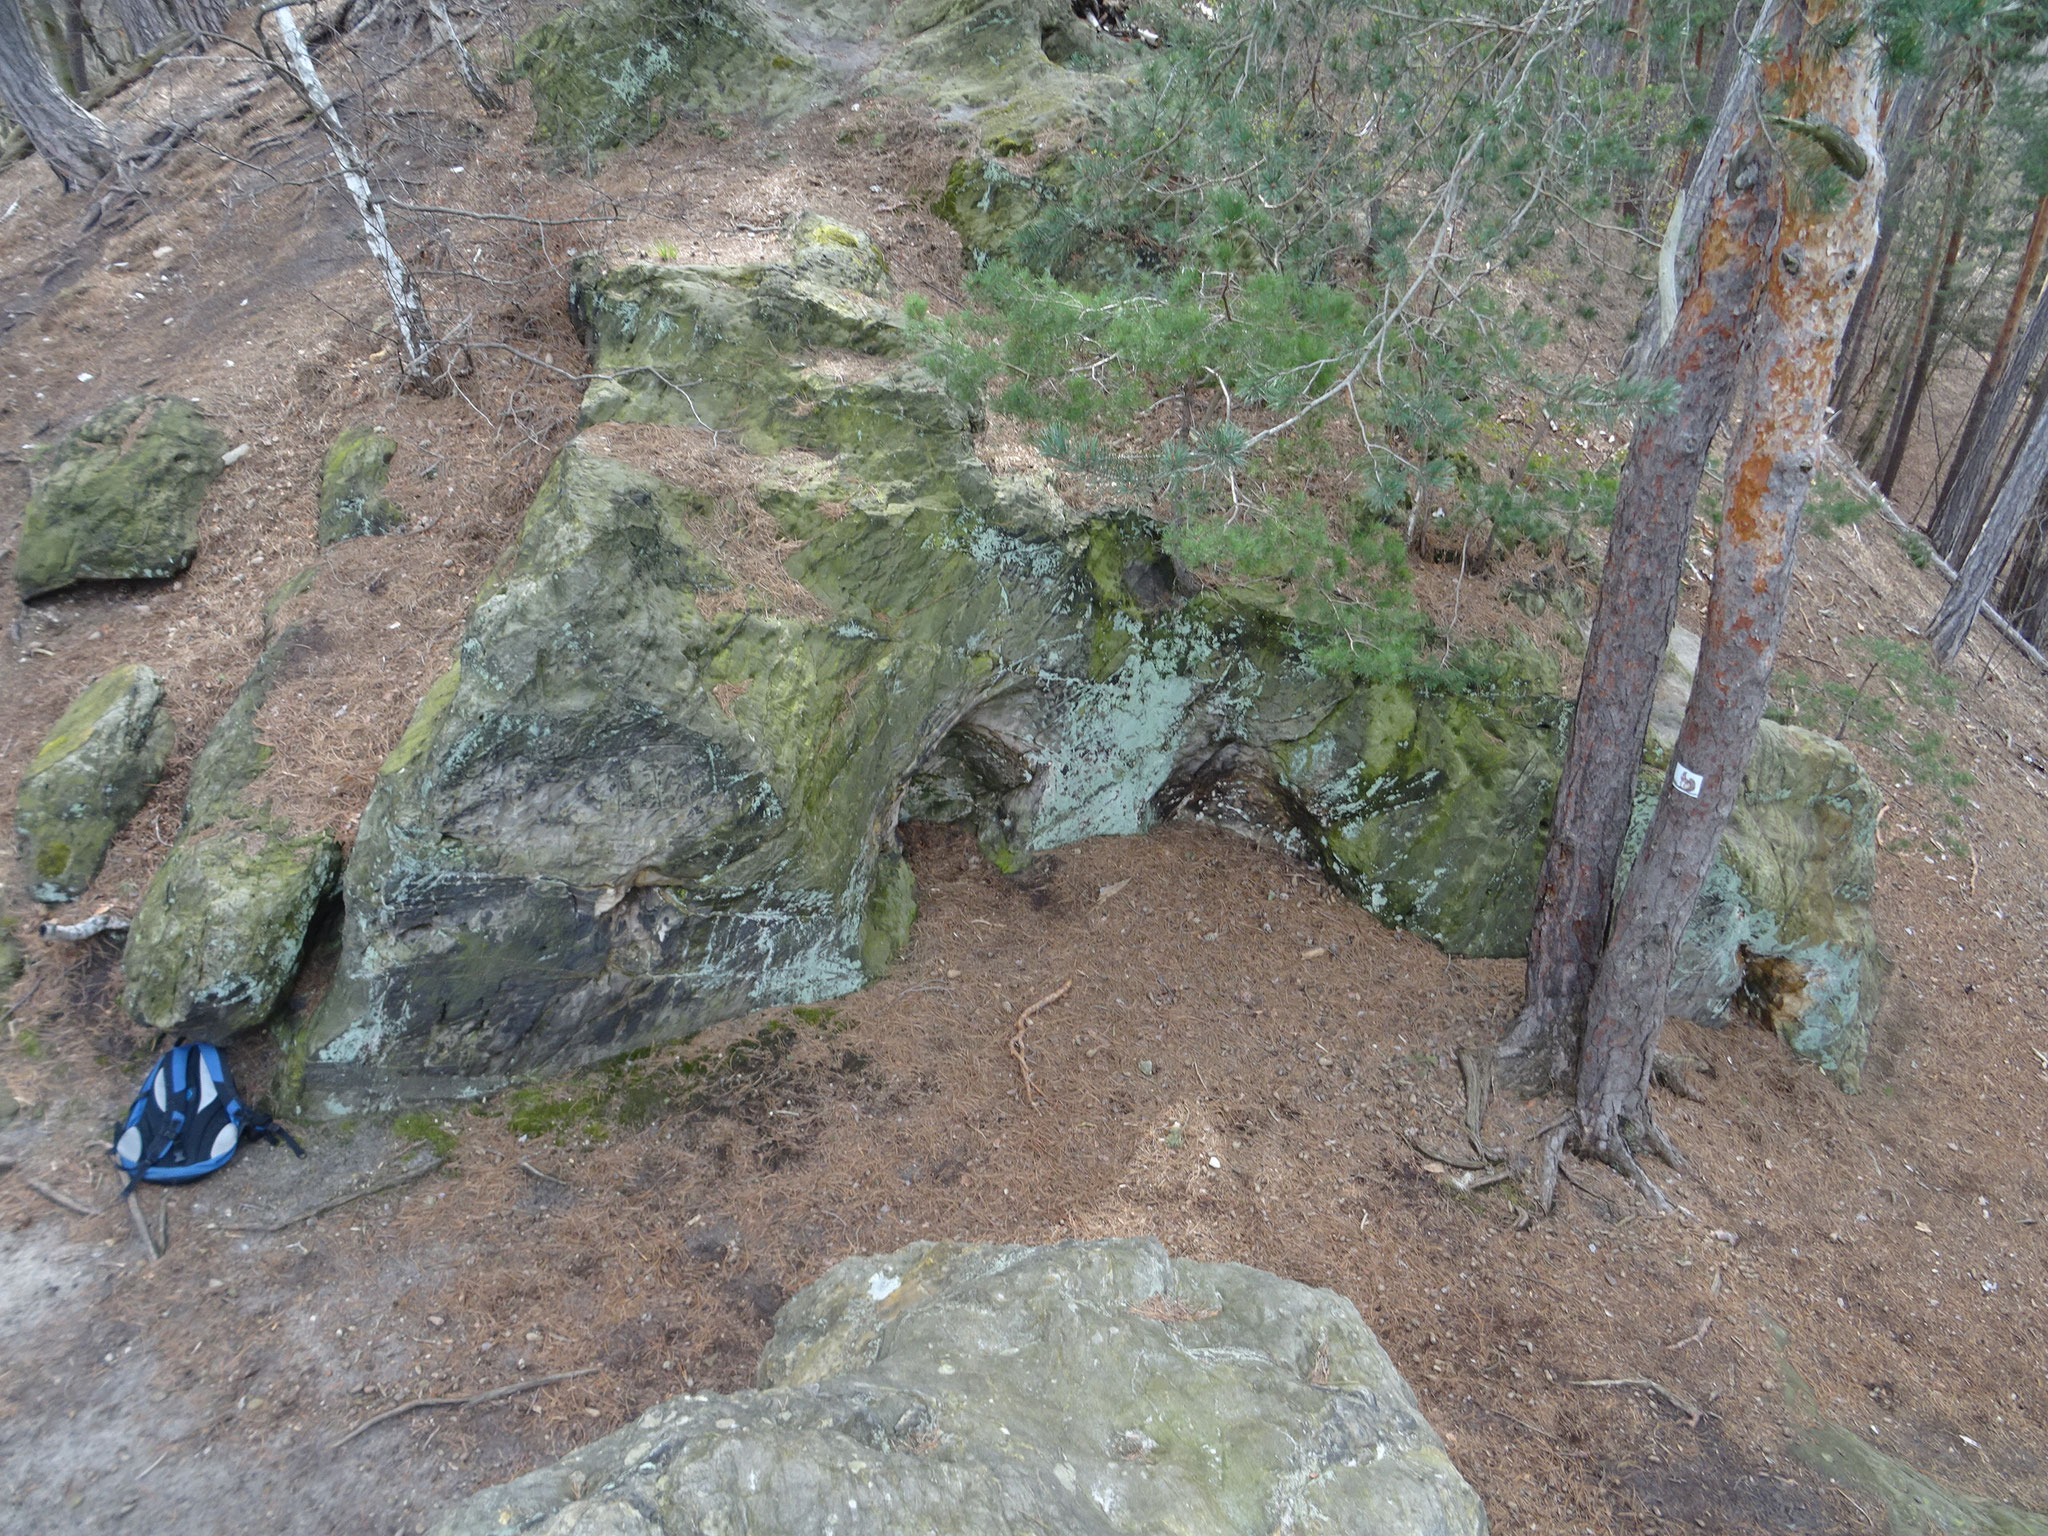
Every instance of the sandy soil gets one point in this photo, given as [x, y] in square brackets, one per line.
[1244, 1063]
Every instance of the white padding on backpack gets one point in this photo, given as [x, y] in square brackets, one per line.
[129, 1148]
[224, 1143]
[207, 1092]
[158, 1087]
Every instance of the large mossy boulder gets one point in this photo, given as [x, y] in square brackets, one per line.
[1015, 67]
[217, 941]
[119, 498]
[92, 773]
[352, 478]
[611, 73]
[656, 793]
[1088, 1388]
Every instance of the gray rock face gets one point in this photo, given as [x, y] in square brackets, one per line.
[119, 498]
[88, 778]
[1084, 1388]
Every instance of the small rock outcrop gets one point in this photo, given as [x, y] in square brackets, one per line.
[119, 498]
[661, 786]
[91, 774]
[352, 500]
[1088, 1388]
[217, 940]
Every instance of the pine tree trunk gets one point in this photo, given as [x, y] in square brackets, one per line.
[1958, 611]
[1929, 332]
[1823, 245]
[416, 346]
[1956, 521]
[74, 142]
[1638, 600]
[2025, 597]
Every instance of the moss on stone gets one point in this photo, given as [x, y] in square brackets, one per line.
[91, 774]
[119, 498]
[352, 479]
[609, 74]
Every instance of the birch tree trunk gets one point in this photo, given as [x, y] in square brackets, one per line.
[1958, 611]
[481, 91]
[74, 142]
[1826, 232]
[1638, 599]
[416, 347]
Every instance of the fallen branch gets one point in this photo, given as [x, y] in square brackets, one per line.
[1031, 1089]
[1695, 1336]
[459, 1402]
[56, 1198]
[1692, 1412]
[1844, 466]
[141, 1226]
[547, 1176]
[403, 1176]
[102, 921]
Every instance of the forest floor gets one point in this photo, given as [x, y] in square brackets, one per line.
[1244, 1063]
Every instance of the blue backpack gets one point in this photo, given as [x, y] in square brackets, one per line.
[189, 1120]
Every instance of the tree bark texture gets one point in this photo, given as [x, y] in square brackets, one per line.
[1956, 518]
[1824, 240]
[480, 89]
[1914, 113]
[1958, 611]
[1934, 308]
[1638, 600]
[74, 142]
[416, 346]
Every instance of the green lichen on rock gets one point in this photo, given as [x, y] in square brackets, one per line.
[1783, 934]
[217, 940]
[1088, 1388]
[610, 73]
[119, 498]
[991, 206]
[92, 773]
[352, 500]
[218, 937]
[1016, 67]
[632, 810]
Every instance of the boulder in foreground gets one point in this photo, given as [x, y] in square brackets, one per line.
[93, 773]
[1088, 1388]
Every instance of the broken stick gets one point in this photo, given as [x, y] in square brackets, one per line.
[141, 1226]
[55, 1197]
[1031, 1089]
[403, 1176]
[1691, 1411]
[458, 1402]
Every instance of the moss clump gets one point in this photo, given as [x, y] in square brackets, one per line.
[421, 1126]
[119, 499]
[352, 500]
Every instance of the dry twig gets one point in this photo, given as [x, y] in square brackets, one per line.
[141, 1226]
[1032, 1092]
[459, 1402]
[403, 1176]
[57, 1198]
[1692, 1412]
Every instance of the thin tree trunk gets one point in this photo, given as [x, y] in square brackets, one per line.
[473, 79]
[1639, 598]
[415, 332]
[2024, 599]
[1956, 520]
[1823, 245]
[1958, 611]
[74, 142]
[74, 47]
[1915, 110]
[1929, 333]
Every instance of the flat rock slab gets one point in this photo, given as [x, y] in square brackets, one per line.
[92, 773]
[1085, 1388]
